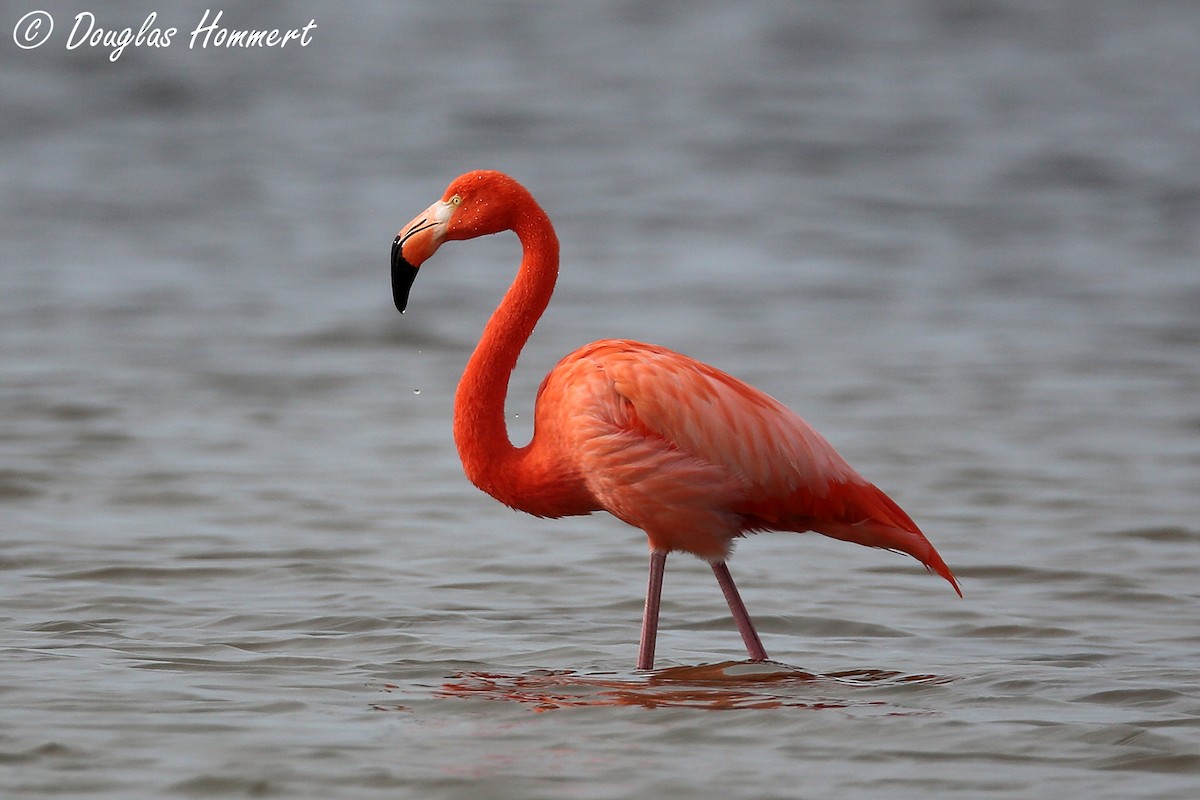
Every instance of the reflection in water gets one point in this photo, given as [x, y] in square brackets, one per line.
[726, 685]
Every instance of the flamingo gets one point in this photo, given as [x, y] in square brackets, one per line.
[691, 455]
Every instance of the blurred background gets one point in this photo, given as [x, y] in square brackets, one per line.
[961, 237]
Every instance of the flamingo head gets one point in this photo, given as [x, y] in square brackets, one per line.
[475, 204]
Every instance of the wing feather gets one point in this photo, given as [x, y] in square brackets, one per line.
[724, 421]
[696, 457]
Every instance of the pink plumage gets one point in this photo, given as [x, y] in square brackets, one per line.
[689, 454]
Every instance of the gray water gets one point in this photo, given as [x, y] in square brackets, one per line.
[237, 553]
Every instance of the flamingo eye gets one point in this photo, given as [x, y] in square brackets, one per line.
[454, 201]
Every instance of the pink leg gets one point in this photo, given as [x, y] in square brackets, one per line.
[658, 564]
[745, 626]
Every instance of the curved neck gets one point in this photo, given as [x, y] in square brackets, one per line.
[480, 429]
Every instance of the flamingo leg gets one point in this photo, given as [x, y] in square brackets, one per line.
[658, 564]
[745, 626]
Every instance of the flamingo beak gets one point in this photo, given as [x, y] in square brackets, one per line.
[403, 275]
[418, 240]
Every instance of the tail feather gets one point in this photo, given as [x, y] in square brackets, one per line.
[856, 512]
[873, 519]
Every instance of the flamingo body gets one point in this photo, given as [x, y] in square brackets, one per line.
[691, 455]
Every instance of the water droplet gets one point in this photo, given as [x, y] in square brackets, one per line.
[416, 391]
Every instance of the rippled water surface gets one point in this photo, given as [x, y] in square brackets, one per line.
[237, 553]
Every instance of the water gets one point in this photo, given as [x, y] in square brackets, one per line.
[238, 554]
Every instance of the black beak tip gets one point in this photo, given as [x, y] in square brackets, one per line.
[402, 281]
[403, 275]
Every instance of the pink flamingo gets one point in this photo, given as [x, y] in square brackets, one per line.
[694, 457]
